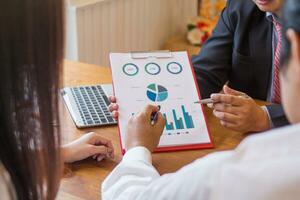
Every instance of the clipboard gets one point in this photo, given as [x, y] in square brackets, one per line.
[150, 77]
[152, 54]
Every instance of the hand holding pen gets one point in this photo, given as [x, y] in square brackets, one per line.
[238, 111]
[145, 128]
[154, 116]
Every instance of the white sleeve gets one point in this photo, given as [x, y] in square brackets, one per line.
[264, 166]
[132, 175]
[136, 178]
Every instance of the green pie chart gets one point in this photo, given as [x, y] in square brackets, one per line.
[157, 93]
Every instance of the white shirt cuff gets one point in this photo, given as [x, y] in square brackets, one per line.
[139, 153]
[270, 120]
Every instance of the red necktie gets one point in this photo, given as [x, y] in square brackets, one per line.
[276, 94]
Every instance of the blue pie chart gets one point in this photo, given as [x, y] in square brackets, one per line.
[157, 93]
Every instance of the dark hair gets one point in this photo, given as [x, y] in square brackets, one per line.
[291, 19]
[31, 52]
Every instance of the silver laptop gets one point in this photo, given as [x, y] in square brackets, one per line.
[88, 105]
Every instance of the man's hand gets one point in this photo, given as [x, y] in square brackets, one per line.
[239, 113]
[140, 132]
[88, 145]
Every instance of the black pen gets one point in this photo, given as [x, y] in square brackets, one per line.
[154, 116]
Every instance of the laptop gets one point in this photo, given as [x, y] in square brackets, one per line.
[88, 105]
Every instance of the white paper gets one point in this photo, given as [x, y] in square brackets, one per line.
[167, 82]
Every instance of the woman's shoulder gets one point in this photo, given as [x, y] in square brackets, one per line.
[6, 187]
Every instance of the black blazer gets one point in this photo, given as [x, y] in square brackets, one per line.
[240, 52]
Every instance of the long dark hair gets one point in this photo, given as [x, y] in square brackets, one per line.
[291, 19]
[31, 52]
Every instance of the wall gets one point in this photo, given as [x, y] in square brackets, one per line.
[97, 27]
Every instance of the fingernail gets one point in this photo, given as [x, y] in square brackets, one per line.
[100, 158]
[210, 105]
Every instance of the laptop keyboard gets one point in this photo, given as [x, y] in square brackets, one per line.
[92, 104]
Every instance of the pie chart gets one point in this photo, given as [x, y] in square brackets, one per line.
[157, 93]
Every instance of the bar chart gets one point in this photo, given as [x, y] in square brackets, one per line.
[179, 121]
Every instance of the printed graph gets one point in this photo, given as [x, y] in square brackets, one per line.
[179, 122]
[157, 93]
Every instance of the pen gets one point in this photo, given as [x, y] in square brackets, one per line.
[209, 100]
[154, 116]
[205, 101]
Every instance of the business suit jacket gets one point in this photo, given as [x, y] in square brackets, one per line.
[240, 52]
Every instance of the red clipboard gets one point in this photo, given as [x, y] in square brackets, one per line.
[179, 147]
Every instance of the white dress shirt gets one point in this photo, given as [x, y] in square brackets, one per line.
[264, 166]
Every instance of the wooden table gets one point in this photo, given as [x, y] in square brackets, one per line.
[82, 180]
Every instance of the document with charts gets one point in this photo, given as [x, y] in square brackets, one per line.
[166, 79]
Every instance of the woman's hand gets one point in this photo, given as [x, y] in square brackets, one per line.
[113, 107]
[140, 132]
[88, 145]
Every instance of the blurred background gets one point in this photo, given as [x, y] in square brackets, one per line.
[94, 28]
